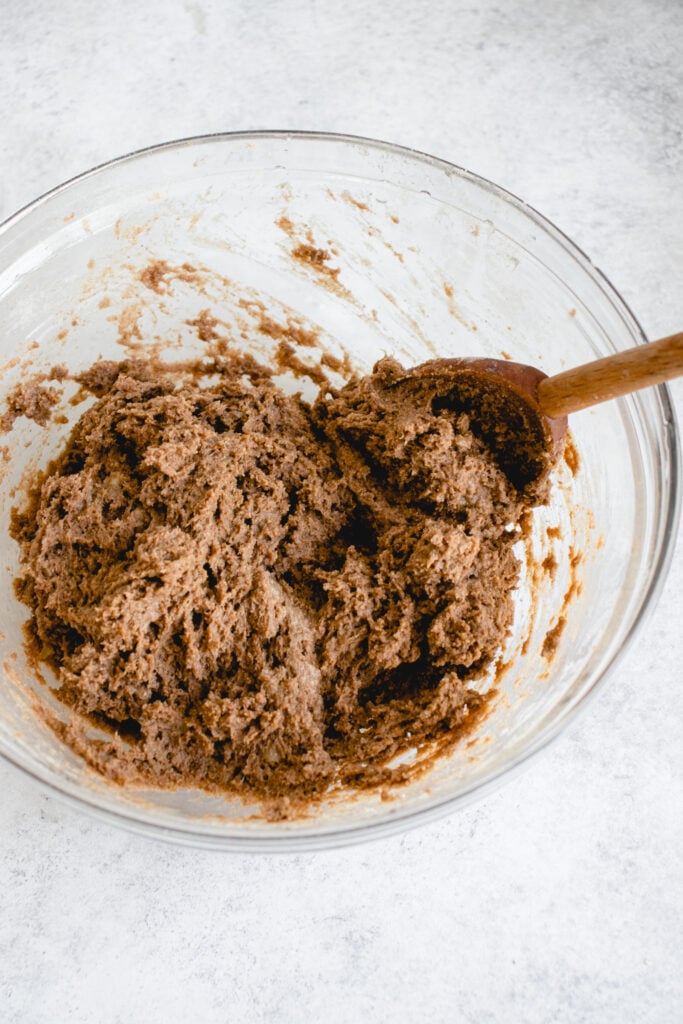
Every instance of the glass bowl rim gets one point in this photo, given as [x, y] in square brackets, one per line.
[135, 820]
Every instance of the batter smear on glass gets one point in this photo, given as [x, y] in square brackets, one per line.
[260, 596]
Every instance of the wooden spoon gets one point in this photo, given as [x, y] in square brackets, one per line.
[522, 413]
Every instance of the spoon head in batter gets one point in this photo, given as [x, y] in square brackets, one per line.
[500, 397]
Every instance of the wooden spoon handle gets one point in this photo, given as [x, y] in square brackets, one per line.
[592, 383]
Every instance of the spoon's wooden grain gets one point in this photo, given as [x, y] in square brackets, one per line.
[616, 375]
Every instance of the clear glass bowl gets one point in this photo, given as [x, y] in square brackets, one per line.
[431, 260]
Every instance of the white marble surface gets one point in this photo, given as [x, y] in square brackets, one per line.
[559, 898]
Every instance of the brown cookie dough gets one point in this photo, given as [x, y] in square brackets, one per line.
[264, 597]
[33, 399]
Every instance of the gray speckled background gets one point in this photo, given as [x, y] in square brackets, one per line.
[559, 898]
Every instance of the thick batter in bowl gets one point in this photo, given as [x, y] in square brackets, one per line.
[346, 251]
